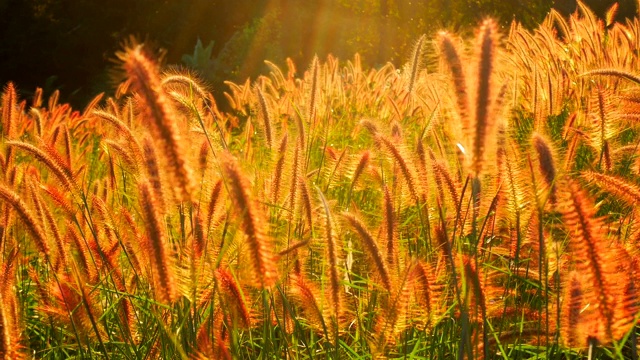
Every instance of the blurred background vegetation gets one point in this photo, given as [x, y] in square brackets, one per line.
[70, 44]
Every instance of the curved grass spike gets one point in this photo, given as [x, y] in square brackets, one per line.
[198, 245]
[571, 331]
[61, 250]
[214, 202]
[295, 172]
[483, 97]
[9, 110]
[604, 113]
[484, 92]
[153, 173]
[473, 278]
[416, 60]
[425, 282]
[66, 140]
[253, 225]
[123, 130]
[606, 156]
[276, 74]
[235, 299]
[598, 261]
[313, 95]
[186, 80]
[621, 188]
[307, 295]
[333, 248]
[157, 245]
[362, 164]
[85, 261]
[380, 266]
[203, 157]
[293, 247]
[305, 197]
[407, 171]
[9, 118]
[38, 119]
[160, 114]
[389, 226]
[546, 163]
[115, 147]
[39, 236]
[443, 178]
[265, 112]
[10, 327]
[613, 72]
[59, 168]
[394, 316]
[454, 63]
[277, 175]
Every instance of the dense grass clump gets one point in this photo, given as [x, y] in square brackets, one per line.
[483, 210]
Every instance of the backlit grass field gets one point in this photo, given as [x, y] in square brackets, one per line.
[480, 202]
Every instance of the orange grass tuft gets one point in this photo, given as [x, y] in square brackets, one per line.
[307, 295]
[390, 227]
[484, 92]
[623, 189]
[278, 171]
[160, 114]
[546, 163]
[333, 249]
[454, 63]
[9, 118]
[265, 113]
[234, 299]
[157, 244]
[371, 246]
[599, 263]
[27, 217]
[10, 328]
[59, 168]
[262, 259]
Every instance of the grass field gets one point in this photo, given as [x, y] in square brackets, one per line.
[480, 202]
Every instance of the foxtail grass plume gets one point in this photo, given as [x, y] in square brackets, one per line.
[153, 173]
[9, 118]
[602, 284]
[278, 171]
[307, 295]
[406, 168]
[314, 92]
[360, 167]
[371, 246]
[389, 226]
[484, 93]
[33, 226]
[54, 163]
[164, 278]
[265, 114]
[416, 61]
[333, 249]
[454, 63]
[234, 298]
[159, 113]
[10, 328]
[546, 163]
[295, 177]
[616, 185]
[253, 224]
[9, 110]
